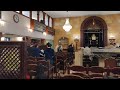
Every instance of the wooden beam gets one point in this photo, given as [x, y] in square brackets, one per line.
[37, 15]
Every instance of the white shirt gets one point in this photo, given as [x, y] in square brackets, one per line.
[87, 51]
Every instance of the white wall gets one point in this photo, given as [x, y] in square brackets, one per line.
[20, 28]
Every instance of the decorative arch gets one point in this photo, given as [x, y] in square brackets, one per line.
[100, 24]
[64, 41]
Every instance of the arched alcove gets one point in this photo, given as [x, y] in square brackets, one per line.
[64, 41]
[93, 32]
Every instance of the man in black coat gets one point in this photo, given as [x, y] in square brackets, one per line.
[49, 53]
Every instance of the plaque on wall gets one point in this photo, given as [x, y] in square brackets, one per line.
[38, 26]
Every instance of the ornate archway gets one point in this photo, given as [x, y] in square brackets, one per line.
[92, 26]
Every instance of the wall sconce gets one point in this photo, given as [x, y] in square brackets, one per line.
[2, 38]
[19, 38]
[30, 30]
[44, 33]
[112, 40]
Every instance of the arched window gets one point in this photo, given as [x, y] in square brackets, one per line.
[26, 13]
[34, 15]
[40, 15]
[46, 19]
[50, 22]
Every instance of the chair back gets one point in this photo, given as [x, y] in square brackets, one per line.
[95, 72]
[71, 77]
[110, 63]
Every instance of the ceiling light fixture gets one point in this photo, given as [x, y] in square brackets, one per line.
[67, 25]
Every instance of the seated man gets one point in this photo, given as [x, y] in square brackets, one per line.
[35, 51]
[87, 56]
[87, 51]
[49, 53]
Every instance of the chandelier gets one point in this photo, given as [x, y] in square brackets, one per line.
[67, 25]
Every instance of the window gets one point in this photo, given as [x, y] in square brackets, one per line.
[26, 13]
[40, 15]
[46, 19]
[50, 22]
[34, 15]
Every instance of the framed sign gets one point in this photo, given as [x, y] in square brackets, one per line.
[40, 27]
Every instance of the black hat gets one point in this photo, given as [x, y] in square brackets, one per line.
[48, 44]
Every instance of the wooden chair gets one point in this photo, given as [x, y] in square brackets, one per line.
[78, 70]
[32, 67]
[57, 67]
[97, 78]
[116, 72]
[30, 58]
[96, 72]
[49, 69]
[71, 77]
[40, 58]
[62, 58]
[110, 63]
[32, 70]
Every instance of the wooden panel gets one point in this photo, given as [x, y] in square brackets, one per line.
[0, 35]
[110, 63]
[12, 60]
[32, 24]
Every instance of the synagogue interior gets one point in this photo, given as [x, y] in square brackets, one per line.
[59, 44]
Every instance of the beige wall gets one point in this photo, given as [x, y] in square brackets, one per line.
[112, 21]
[21, 28]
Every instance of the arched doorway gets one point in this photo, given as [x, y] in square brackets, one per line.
[93, 32]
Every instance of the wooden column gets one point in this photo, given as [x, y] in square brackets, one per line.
[48, 21]
[52, 22]
[27, 39]
[37, 15]
[20, 12]
[0, 35]
[44, 17]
